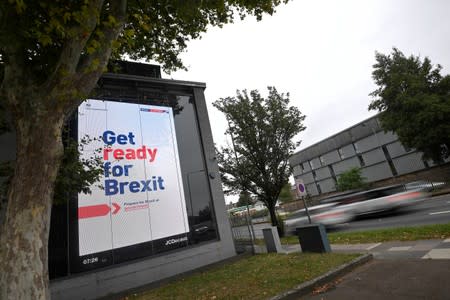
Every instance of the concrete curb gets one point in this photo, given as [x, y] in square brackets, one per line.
[307, 287]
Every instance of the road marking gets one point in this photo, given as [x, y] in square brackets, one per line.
[373, 246]
[400, 248]
[440, 212]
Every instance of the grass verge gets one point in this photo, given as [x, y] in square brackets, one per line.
[435, 231]
[257, 277]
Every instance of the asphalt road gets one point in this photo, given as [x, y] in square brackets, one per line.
[435, 210]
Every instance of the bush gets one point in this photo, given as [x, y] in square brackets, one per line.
[351, 180]
[260, 213]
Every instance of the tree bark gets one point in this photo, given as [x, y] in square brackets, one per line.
[38, 108]
[24, 234]
[273, 215]
[274, 218]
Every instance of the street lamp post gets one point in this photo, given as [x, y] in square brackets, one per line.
[249, 220]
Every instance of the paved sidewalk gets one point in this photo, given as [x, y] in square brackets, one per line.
[422, 249]
[401, 270]
[403, 279]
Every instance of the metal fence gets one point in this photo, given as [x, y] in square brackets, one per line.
[243, 232]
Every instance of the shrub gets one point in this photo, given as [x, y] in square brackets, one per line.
[351, 180]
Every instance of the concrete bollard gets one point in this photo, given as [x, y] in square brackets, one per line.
[272, 240]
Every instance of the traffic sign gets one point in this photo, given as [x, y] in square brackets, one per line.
[300, 186]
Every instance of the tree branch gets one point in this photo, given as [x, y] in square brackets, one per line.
[92, 66]
[73, 47]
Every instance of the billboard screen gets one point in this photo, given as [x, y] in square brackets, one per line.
[139, 197]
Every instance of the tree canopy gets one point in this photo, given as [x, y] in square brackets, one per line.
[414, 100]
[262, 131]
[245, 199]
[52, 54]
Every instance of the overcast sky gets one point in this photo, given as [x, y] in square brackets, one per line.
[321, 52]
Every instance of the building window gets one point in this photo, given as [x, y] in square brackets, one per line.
[306, 166]
[298, 169]
[315, 163]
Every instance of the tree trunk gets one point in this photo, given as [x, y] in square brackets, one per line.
[273, 215]
[274, 220]
[25, 231]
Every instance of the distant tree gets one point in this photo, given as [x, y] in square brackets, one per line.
[75, 174]
[414, 101]
[286, 194]
[262, 130]
[245, 199]
[351, 180]
[52, 54]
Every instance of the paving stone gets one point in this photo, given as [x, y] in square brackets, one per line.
[403, 248]
[425, 245]
[442, 246]
[437, 254]
[399, 255]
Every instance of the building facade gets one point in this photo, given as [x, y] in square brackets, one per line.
[379, 154]
[141, 227]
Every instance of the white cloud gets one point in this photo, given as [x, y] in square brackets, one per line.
[321, 52]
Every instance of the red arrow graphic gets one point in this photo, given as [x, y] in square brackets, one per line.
[96, 210]
[116, 208]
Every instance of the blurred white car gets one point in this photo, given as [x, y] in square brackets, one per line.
[299, 217]
[349, 206]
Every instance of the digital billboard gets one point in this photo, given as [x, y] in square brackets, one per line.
[139, 197]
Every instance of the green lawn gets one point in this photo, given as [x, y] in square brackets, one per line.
[257, 277]
[436, 231]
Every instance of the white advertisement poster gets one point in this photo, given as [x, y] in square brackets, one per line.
[140, 196]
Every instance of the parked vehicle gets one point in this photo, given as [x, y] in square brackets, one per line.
[424, 185]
